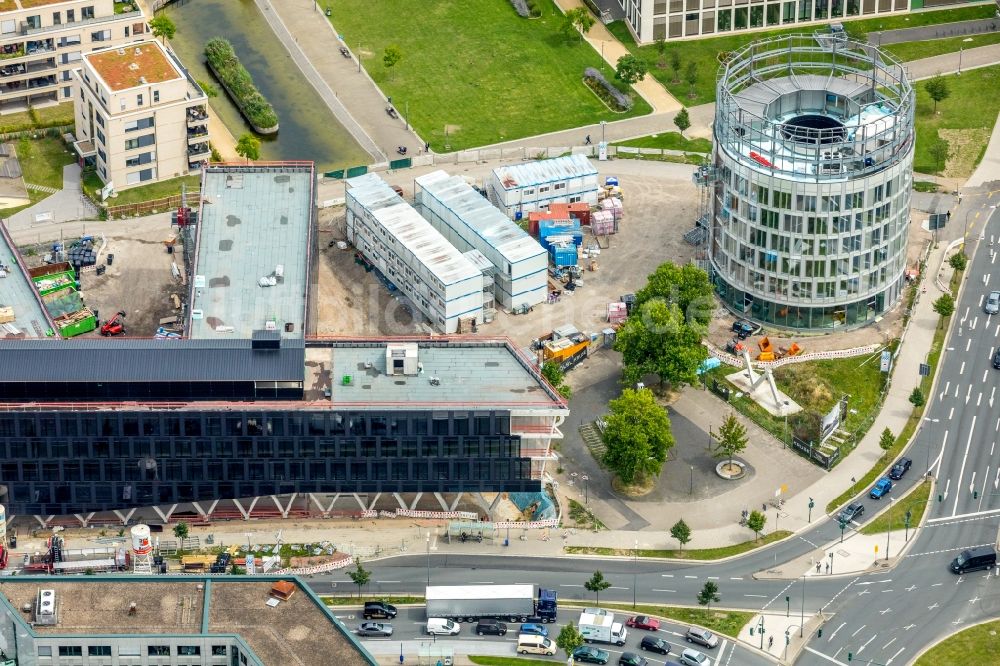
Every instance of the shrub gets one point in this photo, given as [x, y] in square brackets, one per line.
[611, 94]
[237, 80]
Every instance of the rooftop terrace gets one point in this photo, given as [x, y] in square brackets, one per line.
[296, 631]
[255, 229]
[17, 292]
[133, 65]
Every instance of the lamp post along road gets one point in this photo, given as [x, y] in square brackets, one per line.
[635, 569]
[811, 505]
[428, 558]
[891, 502]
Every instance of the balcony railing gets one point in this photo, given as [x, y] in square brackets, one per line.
[25, 30]
[198, 149]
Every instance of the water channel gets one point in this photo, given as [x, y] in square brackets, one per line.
[309, 131]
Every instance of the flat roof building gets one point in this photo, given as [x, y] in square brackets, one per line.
[140, 117]
[470, 222]
[161, 620]
[414, 256]
[519, 189]
[252, 251]
[42, 41]
[22, 313]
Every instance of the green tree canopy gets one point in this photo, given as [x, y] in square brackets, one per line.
[756, 521]
[597, 584]
[945, 305]
[391, 57]
[937, 89]
[248, 147]
[682, 120]
[579, 19]
[688, 286]
[162, 27]
[958, 261]
[556, 377]
[569, 638]
[656, 339]
[886, 440]
[732, 438]
[631, 69]
[360, 575]
[917, 396]
[681, 532]
[709, 594]
[637, 436]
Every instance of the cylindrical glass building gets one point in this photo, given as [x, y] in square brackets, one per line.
[813, 161]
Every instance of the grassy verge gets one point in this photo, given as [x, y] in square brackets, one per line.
[932, 47]
[704, 52]
[728, 623]
[965, 126]
[692, 158]
[49, 116]
[165, 188]
[42, 161]
[925, 186]
[508, 661]
[695, 554]
[912, 422]
[474, 73]
[915, 502]
[584, 517]
[355, 601]
[669, 141]
[975, 645]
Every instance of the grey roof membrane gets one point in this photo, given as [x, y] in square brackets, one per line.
[17, 291]
[470, 375]
[251, 222]
[89, 360]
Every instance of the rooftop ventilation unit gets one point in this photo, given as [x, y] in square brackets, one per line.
[121, 51]
[138, 51]
[47, 602]
[401, 359]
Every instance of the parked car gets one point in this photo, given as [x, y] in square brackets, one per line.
[992, 305]
[590, 655]
[702, 637]
[533, 629]
[852, 511]
[643, 622]
[900, 468]
[694, 658]
[654, 644]
[491, 627]
[378, 610]
[632, 659]
[996, 359]
[744, 328]
[881, 489]
[374, 629]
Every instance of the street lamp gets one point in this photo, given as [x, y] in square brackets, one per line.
[892, 500]
[831, 562]
[428, 558]
[691, 489]
[811, 505]
[603, 122]
[802, 617]
[586, 489]
[906, 522]
[359, 57]
[635, 569]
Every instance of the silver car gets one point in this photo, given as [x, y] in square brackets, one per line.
[992, 303]
[375, 629]
[702, 637]
[694, 658]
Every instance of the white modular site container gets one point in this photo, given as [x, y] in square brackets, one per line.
[522, 188]
[471, 222]
[412, 255]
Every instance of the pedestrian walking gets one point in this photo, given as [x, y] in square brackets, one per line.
[828, 567]
[770, 642]
[586, 141]
[818, 564]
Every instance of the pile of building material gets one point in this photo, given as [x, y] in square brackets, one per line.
[57, 284]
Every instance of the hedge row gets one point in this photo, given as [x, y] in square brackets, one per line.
[612, 94]
[237, 81]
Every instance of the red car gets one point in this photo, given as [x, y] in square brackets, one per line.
[643, 622]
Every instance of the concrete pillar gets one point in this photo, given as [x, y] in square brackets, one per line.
[416, 500]
[374, 500]
[399, 500]
[125, 517]
[165, 517]
[440, 498]
[458, 498]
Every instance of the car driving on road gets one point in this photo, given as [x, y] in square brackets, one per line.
[532, 629]
[632, 659]
[374, 629]
[900, 468]
[992, 305]
[702, 637]
[643, 622]
[694, 658]
[881, 489]
[852, 511]
[590, 655]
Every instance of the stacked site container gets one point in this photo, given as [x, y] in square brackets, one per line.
[471, 222]
[521, 188]
[435, 276]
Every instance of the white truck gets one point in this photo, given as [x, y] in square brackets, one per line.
[602, 628]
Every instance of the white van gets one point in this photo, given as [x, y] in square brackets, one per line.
[535, 645]
[438, 626]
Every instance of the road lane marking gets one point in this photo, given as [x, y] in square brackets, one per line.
[984, 375]
[968, 344]
[569, 585]
[619, 588]
[956, 390]
[976, 318]
[835, 632]
[386, 582]
[667, 575]
[482, 582]
[947, 385]
[741, 578]
[890, 659]
[860, 649]
[690, 576]
[968, 394]
[951, 413]
[670, 591]
[759, 596]
[937, 461]
[965, 457]
[713, 578]
[982, 493]
[889, 643]
[858, 630]
[979, 400]
[961, 370]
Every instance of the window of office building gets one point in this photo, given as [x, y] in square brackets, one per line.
[87, 13]
[99, 651]
[70, 650]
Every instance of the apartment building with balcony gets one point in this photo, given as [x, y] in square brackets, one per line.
[140, 116]
[43, 41]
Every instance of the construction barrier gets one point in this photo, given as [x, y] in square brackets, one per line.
[533, 525]
[737, 362]
[320, 568]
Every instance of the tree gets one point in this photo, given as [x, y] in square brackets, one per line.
[944, 306]
[688, 286]
[937, 89]
[958, 261]
[569, 638]
[709, 594]
[207, 88]
[597, 584]
[655, 339]
[917, 396]
[391, 57]
[661, 50]
[162, 27]
[578, 19]
[886, 441]
[637, 436]
[675, 66]
[630, 70]
[360, 576]
[682, 120]
[681, 532]
[691, 76]
[554, 375]
[939, 152]
[732, 437]
[181, 530]
[248, 147]
[756, 521]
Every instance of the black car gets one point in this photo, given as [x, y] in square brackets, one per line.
[852, 511]
[632, 659]
[744, 328]
[996, 359]
[590, 655]
[654, 644]
[378, 609]
[900, 468]
[491, 627]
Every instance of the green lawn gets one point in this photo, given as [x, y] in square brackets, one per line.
[975, 120]
[932, 47]
[697, 554]
[915, 502]
[42, 161]
[166, 188]
[476, 68]
[669, 141]
[48, 116]
[925, 186]
[704, 52]
[725, 622]
[354, 601]
[508, 661]
[976, 645]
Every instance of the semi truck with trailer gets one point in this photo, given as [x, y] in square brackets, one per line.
[469, 603]
[602, 629]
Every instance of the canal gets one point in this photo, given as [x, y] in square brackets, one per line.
[308, 129]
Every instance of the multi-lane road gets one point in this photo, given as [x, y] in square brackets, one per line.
[887, 617]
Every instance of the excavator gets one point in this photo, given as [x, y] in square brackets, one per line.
[115, 325]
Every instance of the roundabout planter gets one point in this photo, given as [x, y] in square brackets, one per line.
[731, 470]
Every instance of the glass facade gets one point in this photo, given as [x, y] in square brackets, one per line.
[61, 462]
